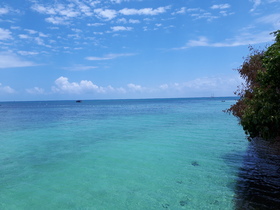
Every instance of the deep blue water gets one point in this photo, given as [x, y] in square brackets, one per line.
[129, 154]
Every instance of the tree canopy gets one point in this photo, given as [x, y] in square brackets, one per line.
[258, 107]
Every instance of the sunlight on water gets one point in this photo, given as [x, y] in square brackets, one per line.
[121, 154]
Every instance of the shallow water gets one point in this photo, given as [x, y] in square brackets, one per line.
[120, 154]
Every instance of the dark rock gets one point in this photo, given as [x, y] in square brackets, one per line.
[165, 205]
[195, 163]
[184, 202]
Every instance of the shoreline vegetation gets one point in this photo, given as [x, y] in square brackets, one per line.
[258, 108]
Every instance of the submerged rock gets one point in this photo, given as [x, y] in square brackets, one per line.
[165, 205]
[184, 202]
[195, 163]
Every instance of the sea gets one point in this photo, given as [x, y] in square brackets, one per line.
[183, 153]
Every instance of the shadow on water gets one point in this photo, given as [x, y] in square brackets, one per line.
[258, 184]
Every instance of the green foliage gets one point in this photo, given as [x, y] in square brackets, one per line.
[259, 105]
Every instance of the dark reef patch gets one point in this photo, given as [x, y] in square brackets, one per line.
[185, 201]
[166, 205]
[195, 163]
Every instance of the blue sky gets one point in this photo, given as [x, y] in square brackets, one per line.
[109, 49]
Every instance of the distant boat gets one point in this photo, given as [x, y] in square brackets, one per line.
[78, 101]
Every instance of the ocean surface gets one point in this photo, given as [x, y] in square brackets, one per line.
[129, 154]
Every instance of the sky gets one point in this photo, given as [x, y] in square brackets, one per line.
[122, 49]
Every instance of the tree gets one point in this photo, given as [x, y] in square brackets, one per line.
[258, 108]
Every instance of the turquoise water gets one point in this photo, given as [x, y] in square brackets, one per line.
[119, 154]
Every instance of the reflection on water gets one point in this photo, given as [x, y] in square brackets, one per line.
[258, 186]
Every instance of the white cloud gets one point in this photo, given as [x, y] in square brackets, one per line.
[7, 10]
[240, 40]
[98, 33]
[6, 89]
[134, 87]
[63, 13]
[109, 56]
[5, 34]
[195, 10]
[198, 13]
[4, 10]
[30, 31]
[93, 3]
[84, 86]
[116, 1]
[35, 91]
[121, 28]
[84, 8]
[43, 35]
[24, 36]
[15, 27]
[63, 86]
[54, 28]
[220, 6]
[122, 20]
[202, 41]
[203, 83]
[77, 30]
[219, 85]
[164, 86]
[119, 1]
[58, 20]
[144, 11]
[226, 13]
[95, 24]
[43, 10]
[39, 41]
[80, 68]
[58, 9]
[107, 14]
[133, 21]
[205, 15]
[273, 19]
[8, 60]
[256, 3]
[182, 10]
[27, 53]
